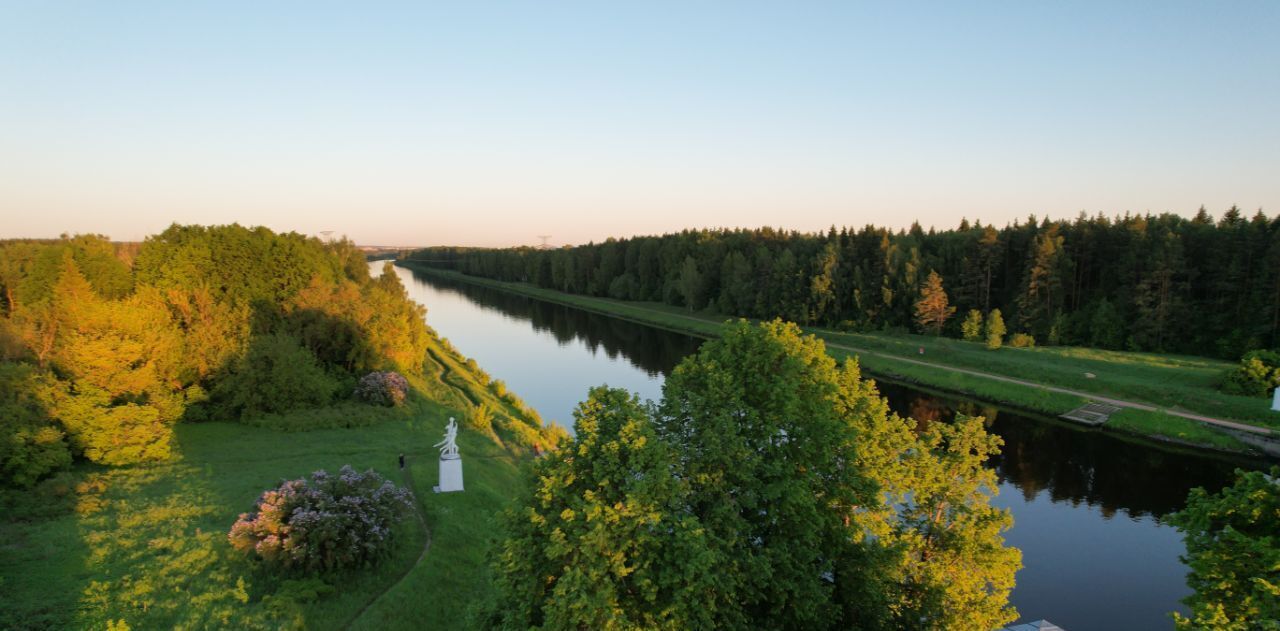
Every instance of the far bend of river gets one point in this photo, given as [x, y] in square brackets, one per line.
[1088, 506]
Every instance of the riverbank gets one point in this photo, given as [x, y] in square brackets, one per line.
[1044, 381]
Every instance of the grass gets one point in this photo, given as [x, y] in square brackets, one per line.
[147, 544]
[1170, 428]
[1169, 381]
[1177, 381]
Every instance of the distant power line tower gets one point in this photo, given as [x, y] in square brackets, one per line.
[545, 245]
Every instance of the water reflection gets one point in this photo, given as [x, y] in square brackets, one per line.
[1069, 464]
[652, 350]
[1087, 505]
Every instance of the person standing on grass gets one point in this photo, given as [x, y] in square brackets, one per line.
[402, 460]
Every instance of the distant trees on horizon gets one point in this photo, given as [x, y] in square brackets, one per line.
[1137, 282]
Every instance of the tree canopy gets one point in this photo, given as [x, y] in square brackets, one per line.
[111, 344]
[770, 488]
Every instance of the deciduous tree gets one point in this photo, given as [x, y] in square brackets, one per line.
[971, 328]
[603, 540]
[995, 329]
[1233, 551]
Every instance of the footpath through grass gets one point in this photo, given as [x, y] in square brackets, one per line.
[147, 544]
[1180, 383]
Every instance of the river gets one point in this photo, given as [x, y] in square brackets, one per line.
[1088, 506]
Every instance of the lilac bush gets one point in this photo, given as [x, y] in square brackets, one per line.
[325, 523]
[382, 388]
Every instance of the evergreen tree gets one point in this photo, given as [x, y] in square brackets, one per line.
[822, 296]
[691, 283]
[1043, 290]
[1105, 326]
[933, 309]
[989, 254]
[738, 292]
[1158, 296]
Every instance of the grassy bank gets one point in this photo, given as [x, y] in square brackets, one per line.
[1178, 382]
[147, 544]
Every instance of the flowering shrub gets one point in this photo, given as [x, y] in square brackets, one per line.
[382, 388]
[1257, 374]
[324, 523]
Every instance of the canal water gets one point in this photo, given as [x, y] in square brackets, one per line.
[1089, 507]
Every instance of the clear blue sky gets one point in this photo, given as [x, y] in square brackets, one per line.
[489, 124]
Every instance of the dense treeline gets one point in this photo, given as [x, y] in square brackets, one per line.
[1140, 282]
[104, 346]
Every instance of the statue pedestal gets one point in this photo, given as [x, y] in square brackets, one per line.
[450, 475]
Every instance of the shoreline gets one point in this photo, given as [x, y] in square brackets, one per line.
[1135, 424]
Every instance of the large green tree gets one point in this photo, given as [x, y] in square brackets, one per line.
[755, 421]
[781, 492]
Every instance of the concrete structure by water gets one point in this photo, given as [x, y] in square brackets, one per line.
[1038, 625]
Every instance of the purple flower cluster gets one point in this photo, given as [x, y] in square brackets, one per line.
[325, 523]
[382, 388]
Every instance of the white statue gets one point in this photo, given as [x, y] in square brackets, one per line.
[450, 461]
[449, 446]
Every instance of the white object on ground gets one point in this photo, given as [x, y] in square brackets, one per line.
[1275, 405]
[450, 475]
[450, 461]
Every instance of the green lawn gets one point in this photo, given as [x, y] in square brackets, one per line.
[1169, 381]
[147, 544]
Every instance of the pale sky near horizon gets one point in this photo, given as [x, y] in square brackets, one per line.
[492, 123]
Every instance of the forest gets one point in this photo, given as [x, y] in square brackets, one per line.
[1143, 282]
[105, 346]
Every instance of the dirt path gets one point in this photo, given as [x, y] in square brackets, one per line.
[426, 546]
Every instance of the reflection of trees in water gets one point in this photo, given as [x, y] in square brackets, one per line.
[1071, 465]
[1077, 466]
[650, 349]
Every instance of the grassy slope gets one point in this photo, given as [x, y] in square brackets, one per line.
[1166, 380]
[147, 544]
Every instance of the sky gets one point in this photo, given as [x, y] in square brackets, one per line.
[488, 124]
